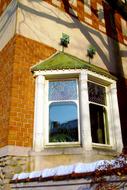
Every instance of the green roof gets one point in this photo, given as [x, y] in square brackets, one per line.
[62, 60]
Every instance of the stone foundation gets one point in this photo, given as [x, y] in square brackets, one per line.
[9, 165]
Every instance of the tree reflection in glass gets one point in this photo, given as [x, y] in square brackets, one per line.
[63, 122]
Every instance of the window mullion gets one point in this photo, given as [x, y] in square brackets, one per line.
[38, 141]
[84, 112]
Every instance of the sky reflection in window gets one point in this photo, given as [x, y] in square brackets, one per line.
[63, 122]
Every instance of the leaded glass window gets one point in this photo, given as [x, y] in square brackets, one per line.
[62, 90]
[63, 111]
[96, 93]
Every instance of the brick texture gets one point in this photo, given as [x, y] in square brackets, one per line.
[112, 20]
[17, 89]
[6, 72]
[78, 11]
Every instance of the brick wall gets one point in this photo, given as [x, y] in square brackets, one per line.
[89, 12]
[6, 72]
[27, 53]
[96, 14]
[17, 91]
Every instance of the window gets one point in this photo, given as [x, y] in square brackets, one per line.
[76, 108]
[63, 111]
[98, 113]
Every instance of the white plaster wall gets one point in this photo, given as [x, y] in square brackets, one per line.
[41, 21]
[8, 24]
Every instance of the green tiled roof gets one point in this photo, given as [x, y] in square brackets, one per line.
[62, 60]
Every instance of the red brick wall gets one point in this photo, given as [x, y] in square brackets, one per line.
[81, 15]
[6, 73]
[96, 22]
[27, 53]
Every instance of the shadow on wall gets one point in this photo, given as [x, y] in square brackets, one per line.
[111, 46]
[88, 33]
[5, 20]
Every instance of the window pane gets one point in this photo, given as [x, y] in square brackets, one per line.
[63, 90]
[63, 122]
[96, 93]
[98, 121]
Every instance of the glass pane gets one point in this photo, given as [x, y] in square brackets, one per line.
[63, 90]
[63, 122]
[96, 93]
[98, 121]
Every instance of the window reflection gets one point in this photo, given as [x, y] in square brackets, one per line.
[63, 122]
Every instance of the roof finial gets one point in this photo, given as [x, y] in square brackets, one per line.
[91, 52]
[64, 41]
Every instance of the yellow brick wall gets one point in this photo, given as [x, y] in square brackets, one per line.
[6, 73]
[27, 53]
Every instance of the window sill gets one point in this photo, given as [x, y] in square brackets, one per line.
[75, 150]
[106, 150]
[102, 146]
[63, 145]
[48, 150]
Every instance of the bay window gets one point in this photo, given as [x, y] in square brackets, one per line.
[76, 108]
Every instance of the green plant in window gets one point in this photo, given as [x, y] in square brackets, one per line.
[64, 135]
[60, 138]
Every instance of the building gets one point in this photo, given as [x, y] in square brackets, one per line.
[44, 85]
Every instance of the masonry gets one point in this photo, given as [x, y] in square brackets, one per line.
[30, 34]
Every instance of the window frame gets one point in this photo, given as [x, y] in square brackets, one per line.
[48, 103]
[40, 114]
[106, 128]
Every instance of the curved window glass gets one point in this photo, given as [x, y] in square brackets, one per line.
[63, 122]
[63, 111]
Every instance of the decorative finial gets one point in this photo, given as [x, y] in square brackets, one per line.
[64, 41]
[91, 52]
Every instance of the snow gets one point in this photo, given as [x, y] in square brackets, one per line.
[15, 177]
[23, 176]
[65, 170]
[85, 168]
[49, 172]
[69, 169]
[102, 164]
[35, 174]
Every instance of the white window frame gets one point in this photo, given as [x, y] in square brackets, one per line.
[106, 106]
[40, 112]
[48, 103]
